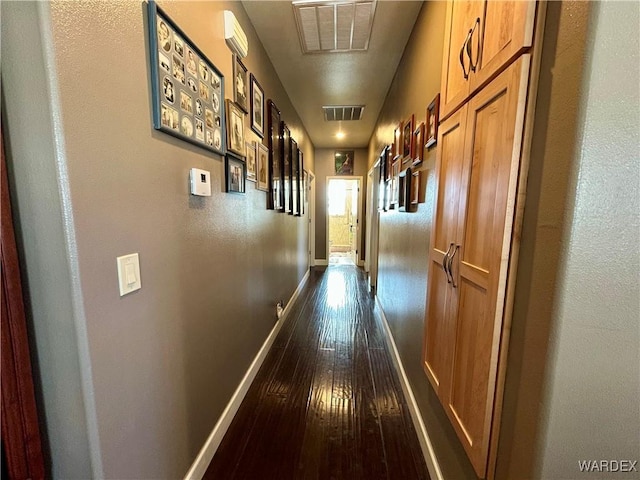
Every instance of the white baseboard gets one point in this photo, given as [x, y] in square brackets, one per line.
[423, 437]
[202, 461]
[321, 262]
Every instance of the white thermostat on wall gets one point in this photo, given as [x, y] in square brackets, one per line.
[200, 182]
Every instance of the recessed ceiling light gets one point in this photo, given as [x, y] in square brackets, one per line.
[340, 135]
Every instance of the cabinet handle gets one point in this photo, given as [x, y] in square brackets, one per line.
[464, 68]
[472, 66]
[445, 262]
[450, 264]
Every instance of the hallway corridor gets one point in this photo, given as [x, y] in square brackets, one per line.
[327, 402]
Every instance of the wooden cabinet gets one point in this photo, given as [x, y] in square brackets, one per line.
[478, 166]
[481, 38]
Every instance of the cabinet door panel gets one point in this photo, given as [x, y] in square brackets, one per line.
[449, 167]
[507, 29]
[485, 218]
[437, 344]
[461, 16]
[438, 340]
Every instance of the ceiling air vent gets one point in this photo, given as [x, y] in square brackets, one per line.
[338, 26]
[335, 113]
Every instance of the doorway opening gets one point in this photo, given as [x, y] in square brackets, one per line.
[343, 225]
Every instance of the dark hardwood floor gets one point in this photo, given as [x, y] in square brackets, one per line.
[327, 402]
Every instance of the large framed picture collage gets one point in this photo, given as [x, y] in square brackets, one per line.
[188, 90]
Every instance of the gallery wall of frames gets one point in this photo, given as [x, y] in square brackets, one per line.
[399, 183]
[188, 99]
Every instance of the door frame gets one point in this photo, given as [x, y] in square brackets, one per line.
[373, 225]
[312, 217]
[359, 180]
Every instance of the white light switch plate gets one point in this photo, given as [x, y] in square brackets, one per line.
[129, 273]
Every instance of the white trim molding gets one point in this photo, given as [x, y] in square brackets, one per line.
[202, 461]
[423, 436]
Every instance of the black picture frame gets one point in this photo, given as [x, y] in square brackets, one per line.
[276, 193]
[187, 89]
[257, 107]
[295, 178]
[240, 84]
[235, 174]
[404, 189]
[285, 177]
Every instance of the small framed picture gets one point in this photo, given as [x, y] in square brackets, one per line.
[251, 161]
[235, 170]
[433, 116]
[407, 140]
[275, 200]
[415, 187]
[418, 144]
[397, 142]
[262, 167]
[235, 128]
[257, 107]
[240, 84]
[395, 173]
[344, 162]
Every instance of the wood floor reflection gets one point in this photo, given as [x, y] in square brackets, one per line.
[327, 402]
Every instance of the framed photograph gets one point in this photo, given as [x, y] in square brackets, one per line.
[262, 167]
[415, 187]
[433, 116]
[251, 161]
[187, 89]
[235, 127]
[235, 173]
[394, 192]
[285, 168]
[275, 199]
[388, 161]
[240, 84]
[344, 162]
[257, 107]
[404, 190]
[295, 179]
[418, 144]
[397, 142]
[407, 140]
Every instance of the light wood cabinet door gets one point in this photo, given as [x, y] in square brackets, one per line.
[456, 67]
[506, 31]
[493, 137]
[481, 39]
[437, 347]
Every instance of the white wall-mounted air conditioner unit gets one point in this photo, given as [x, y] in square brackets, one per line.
[234, 35]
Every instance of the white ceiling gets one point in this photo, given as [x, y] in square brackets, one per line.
[345, 78]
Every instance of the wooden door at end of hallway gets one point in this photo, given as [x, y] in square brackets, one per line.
[21, 443]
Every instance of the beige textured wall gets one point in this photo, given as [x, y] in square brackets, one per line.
[595, 348]
[150, 372]
[325, 167]
[549, 196]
